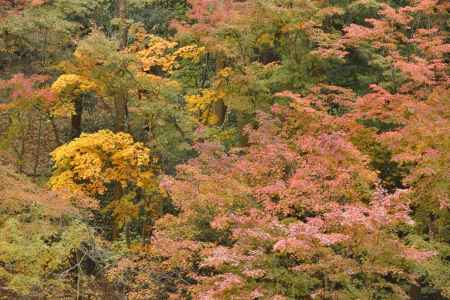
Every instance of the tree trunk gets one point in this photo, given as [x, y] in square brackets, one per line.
[121, 114]
[55, 129]
[76, 118]
[220, 110]
[117, 193]
[121, 102]
[122, 14]
[37, 154]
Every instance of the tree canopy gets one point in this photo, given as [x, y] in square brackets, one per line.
[225, 149]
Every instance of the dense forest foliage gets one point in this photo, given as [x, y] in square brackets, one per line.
[225, 149]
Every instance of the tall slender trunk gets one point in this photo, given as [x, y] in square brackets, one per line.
[37, 155]
[122, 14]
[220, 110]
[21, 153]
[128, 233]
[55, 129]
[117, 193]
[121, 112]
[121, 101]
[76, 118]
[78, 275]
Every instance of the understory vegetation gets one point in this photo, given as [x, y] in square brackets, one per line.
[225, 149]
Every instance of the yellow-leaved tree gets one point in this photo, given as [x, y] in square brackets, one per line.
[207, 106]
[112, 168]
[71, 90]
[160, 56]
